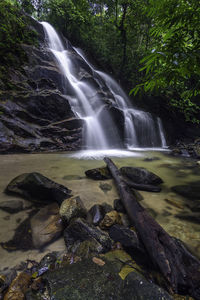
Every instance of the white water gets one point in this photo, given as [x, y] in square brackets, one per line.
[100, 132]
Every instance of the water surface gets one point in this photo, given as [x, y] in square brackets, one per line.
[69, 169]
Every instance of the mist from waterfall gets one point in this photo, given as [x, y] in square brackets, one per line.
[100, 131]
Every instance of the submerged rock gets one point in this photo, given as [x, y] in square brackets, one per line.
[79, 230]
[191, 191]
[12, 206]
[141, 175]
[38, 188]
[22, 239]
[72, 208]
[46, 225]
[105, 187]
[193, 217]
[99, 173]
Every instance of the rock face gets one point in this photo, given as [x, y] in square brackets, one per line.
[141, 175]
[35, 114]
[38, 188]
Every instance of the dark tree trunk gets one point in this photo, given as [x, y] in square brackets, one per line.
[178, 266]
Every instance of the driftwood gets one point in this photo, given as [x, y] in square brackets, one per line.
[179, 267]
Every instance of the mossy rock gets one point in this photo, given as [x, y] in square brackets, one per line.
[89, 280]
[98, 173]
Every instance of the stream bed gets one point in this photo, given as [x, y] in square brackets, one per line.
[69, 169]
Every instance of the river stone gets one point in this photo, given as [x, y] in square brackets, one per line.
[118, 206]
[107, 207]
[193, 217]
[96, 214]
[141, 175]
[111, 218]
[12, 206]
[18, 287]
[72, 208]
[38, 188]
[125, 221]
[46, 225]
[98, 173]
[86, 248]
[129, 240]
[105, 187]
[87, 280]
[79, 230]
[191, 191]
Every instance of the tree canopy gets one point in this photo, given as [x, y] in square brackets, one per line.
[150, 46]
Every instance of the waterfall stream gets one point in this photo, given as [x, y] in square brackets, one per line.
[100, 131]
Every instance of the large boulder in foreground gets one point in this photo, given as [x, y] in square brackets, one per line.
[88, 279]
[140, 175]
[38, 188]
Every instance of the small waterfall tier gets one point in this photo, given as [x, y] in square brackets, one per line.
[110, 120]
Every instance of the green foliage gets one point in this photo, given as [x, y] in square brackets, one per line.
[13, 33]
[172, 66]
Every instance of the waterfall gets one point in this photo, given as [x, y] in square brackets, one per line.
[87, 103]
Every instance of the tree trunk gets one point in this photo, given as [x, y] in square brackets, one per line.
[178, 266]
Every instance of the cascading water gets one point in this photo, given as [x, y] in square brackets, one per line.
[100, 132]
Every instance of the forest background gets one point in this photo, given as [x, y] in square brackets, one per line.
[151, 47]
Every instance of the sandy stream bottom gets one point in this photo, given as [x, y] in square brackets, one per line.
[67, 169]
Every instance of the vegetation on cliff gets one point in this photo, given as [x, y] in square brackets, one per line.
[14, 32]
[152, 46]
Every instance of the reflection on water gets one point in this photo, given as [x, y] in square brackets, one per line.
[66, 169]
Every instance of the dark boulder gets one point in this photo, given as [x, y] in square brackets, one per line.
[190, 191]
[79, 231]
[98, 173]
[87, 280]
[118, 206]
[141, 175]
[38, 188]
[96, 214]
[129, 240]
[138, 288]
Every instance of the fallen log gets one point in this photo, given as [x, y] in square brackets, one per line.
[179, 267]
